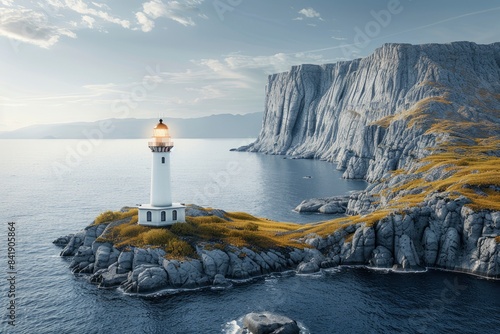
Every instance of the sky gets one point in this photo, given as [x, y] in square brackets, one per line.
[75, 60]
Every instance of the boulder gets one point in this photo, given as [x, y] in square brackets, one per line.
[308, 267]
[198, 211]
[487, 257]
[82, 258]
[220, 281]
[74, 243]
[328, 205]
[131, 285]
[333, 208]
[359, 250]
[384, 232]
[449, 249]
[185, 274]
[214, 262]
[406, 255]
[431, 247]
[63, 241]
[151, 279]
[125, 262]
[109, 277]
[381, 258]
[148, 256]
[269, 323]
[105, 256]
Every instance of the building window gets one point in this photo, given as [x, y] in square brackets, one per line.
[162, 160]
[148, 216]
[163, 216]
[174, 215]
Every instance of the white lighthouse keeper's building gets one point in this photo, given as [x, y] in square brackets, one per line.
[161, 211]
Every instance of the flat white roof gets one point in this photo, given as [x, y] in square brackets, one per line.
[150, 207]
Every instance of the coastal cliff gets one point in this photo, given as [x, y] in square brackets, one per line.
[376, 114]
[421, 123]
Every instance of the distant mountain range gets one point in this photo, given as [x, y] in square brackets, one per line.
[215, 126]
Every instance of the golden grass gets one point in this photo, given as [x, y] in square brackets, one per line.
[158, 237]
[243, 231]
[179, 249]
[180, 239]
[497, 239]
[473, 170]
[110, 216]
[384, 122]
[420, 112]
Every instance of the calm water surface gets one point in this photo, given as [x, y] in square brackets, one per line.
[47, 198]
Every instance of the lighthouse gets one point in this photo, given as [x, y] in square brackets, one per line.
[161, 211]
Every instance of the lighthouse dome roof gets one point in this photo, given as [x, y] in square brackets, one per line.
[161, 130]
[161, 125]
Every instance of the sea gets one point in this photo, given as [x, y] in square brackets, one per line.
[50, 188]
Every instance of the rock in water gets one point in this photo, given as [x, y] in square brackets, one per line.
[269, 323]
[330, 205]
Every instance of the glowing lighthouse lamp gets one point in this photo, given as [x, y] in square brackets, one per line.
[161, 211]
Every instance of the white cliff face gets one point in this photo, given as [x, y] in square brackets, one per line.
[359, 113]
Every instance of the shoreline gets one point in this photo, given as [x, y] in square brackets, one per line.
[147, 271]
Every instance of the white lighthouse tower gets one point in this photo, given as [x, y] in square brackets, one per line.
[161, 211]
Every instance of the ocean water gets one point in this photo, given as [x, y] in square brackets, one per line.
[51, 188]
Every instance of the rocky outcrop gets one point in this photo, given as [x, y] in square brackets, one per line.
[270, 323]
[441, 233]
[329, 205]
[361, 113]
[145, 270]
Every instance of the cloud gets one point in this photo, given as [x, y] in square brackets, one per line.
[208, 92]
[82, 8]
[177, 11]
[279, 62]
[145, 23]
[88, 21]
[231, 77]
[339, 38]
[309, 13]
[101, 5]
[28, 26]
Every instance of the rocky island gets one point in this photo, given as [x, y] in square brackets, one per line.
[419, 122]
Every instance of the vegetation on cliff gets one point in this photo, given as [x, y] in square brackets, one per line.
[179, 240]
